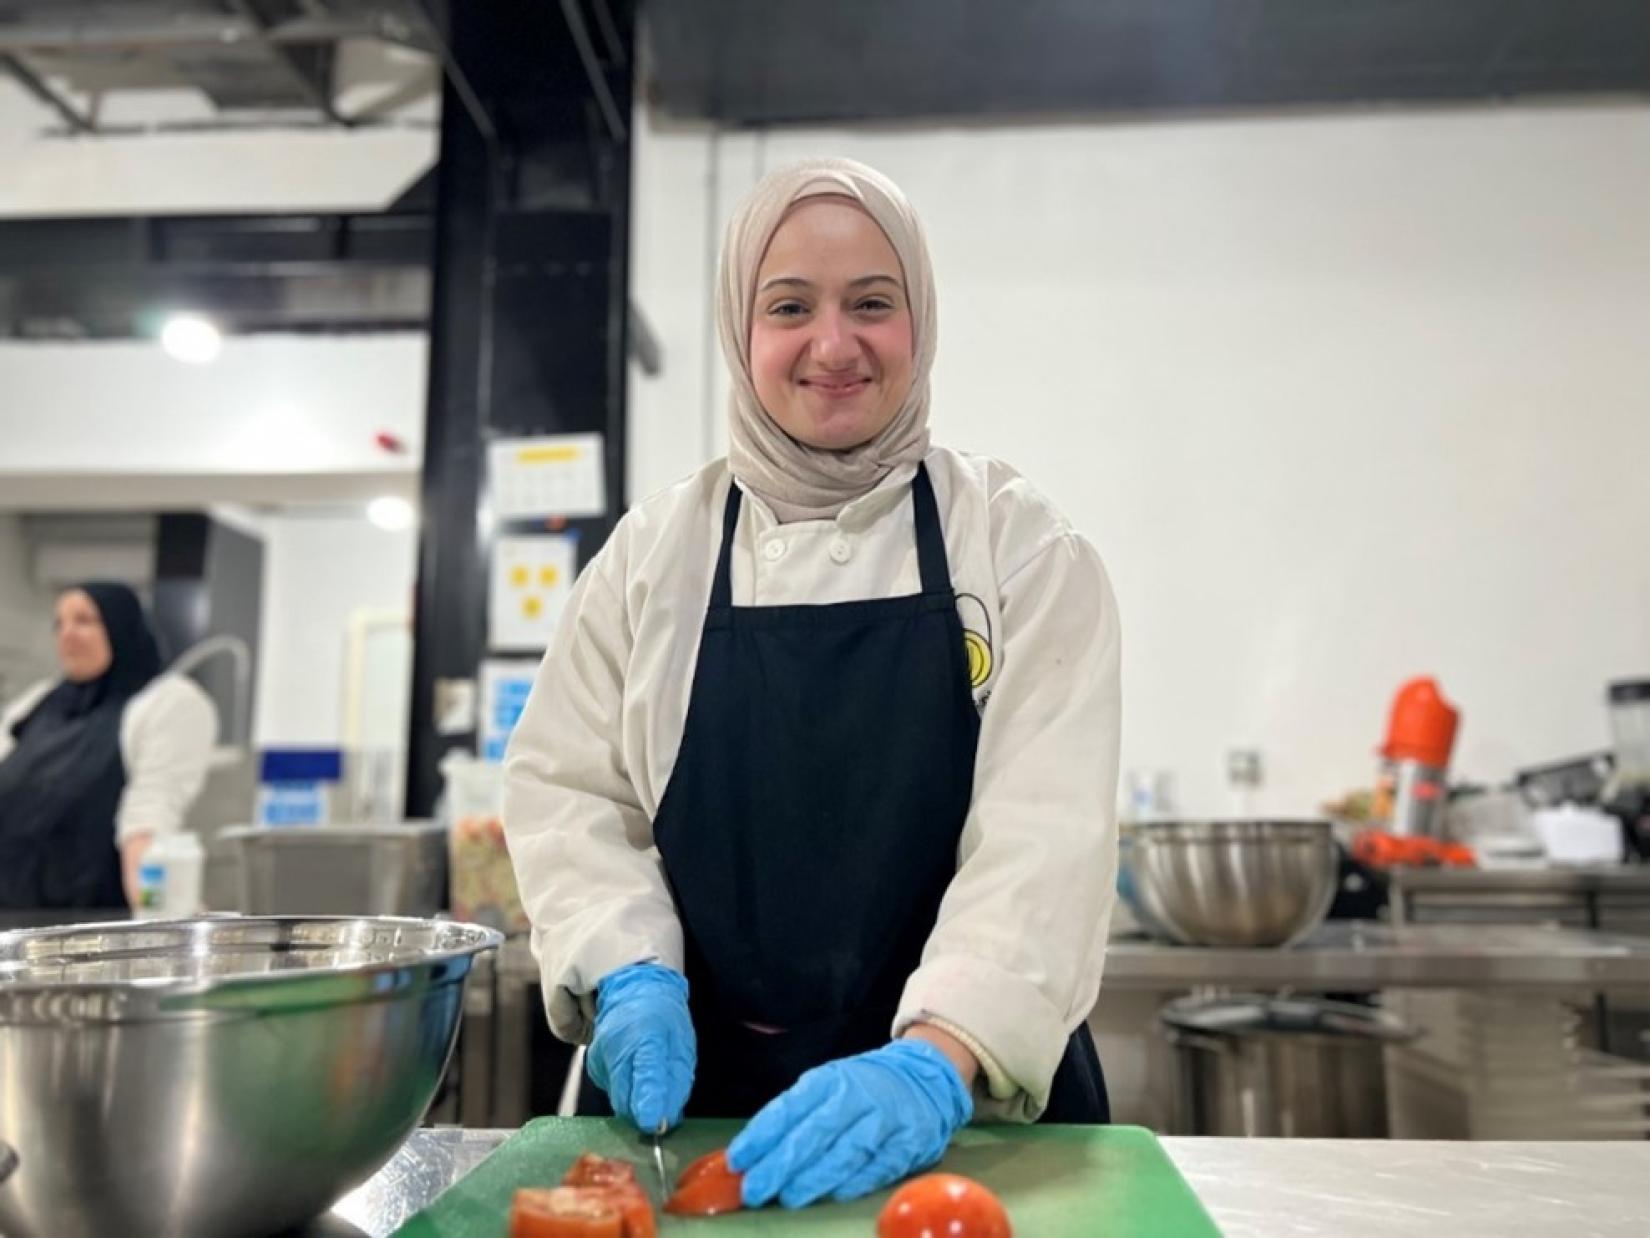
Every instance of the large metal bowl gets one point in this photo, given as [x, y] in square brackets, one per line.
[1229, 883]
[222, 1077]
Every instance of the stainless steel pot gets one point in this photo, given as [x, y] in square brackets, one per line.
[1229, 883]
[381, 870]
[1280, 1067]
[222, 1077]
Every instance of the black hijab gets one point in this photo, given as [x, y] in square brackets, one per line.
[134, 662]
[60, 787]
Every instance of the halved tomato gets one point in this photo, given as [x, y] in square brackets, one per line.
[707, 1187]
[947, 1205]
[565, 1212]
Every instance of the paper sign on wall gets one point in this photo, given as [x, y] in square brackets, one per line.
[552, 475]
[532, 577]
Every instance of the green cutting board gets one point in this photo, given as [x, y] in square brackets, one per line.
[1056, 1182]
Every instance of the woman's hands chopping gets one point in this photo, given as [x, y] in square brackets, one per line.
[643, 1052]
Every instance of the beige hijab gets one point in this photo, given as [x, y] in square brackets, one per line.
[810, 483]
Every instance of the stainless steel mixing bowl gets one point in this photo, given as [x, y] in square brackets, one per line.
[1229, 883]
[222, 1077]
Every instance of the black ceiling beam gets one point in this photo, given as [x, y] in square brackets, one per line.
[36, 86]
[316, 85]
[104, 31]
[777, 62]
[617, 128]
[104, 277]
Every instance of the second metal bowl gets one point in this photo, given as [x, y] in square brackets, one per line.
[1229, 883]
[216, 1078]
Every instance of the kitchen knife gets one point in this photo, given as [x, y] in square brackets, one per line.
[659, 1164]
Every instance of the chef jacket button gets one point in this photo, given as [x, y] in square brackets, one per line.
[841, 551]
[774, 551]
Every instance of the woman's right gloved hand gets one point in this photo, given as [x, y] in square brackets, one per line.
[643, 1051]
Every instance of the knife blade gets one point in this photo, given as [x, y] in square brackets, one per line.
[659, 1163]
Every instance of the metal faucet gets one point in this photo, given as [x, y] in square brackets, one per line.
[240, 722]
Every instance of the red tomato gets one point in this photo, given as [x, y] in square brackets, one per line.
[593, 1170]
[943, 1206]
[565, 1212]
[618, 1179]
[637, 1212]
[706, 1188]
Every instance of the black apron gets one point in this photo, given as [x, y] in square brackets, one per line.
[811, 823]
[59, 790]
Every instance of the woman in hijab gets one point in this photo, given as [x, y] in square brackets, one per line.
[812, 801]
[96, 764]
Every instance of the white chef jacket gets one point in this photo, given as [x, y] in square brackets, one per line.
[1014, 961]
[166, 736]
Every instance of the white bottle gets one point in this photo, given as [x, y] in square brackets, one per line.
[169, 878]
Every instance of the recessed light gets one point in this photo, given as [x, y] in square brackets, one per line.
[391, 512]
[191, 338]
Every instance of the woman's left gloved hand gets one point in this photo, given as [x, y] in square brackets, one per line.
[851, 1126]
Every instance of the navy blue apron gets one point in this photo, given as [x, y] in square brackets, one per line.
[811, 823]
[59, 791]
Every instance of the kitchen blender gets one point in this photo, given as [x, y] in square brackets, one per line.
[1412, 788]
[1627, 794]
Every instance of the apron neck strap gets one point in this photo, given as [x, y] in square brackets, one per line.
[936, 572]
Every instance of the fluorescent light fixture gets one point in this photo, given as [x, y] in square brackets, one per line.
[191, 338]
[390, 512]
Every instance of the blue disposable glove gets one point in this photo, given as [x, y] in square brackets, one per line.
[851, 1126]
[643, 1051]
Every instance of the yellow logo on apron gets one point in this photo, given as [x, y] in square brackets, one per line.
[976, 623]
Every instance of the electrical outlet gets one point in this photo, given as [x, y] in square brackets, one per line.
[1243, 767]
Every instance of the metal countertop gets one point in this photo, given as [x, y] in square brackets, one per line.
[1254, 1188]
[1581, 879]
[1353, 955]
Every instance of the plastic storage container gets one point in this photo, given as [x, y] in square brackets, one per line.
[1630, 729]
[482, 880]
[170, 877]
[297, 786]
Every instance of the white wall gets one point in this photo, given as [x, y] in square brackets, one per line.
[318, 570]
[1341, 399]
[86, 423]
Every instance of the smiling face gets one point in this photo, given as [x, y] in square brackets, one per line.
[830, 337]
[82, 641]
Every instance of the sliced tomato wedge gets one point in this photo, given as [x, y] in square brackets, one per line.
[593, 1170]
[707, 1187]
[948, 1204]
[565, 1212]
[635, 1211]
[618, 1179]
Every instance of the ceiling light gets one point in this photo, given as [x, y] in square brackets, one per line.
[389, 512]
[191, 338]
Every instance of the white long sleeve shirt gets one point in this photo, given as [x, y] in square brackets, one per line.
[166, 736]
[1014, 961]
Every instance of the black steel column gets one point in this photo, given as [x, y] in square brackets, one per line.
[528, 321]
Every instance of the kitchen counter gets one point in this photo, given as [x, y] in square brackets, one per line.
[1633, 878]
[1254, 1188]
[1346, 956]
